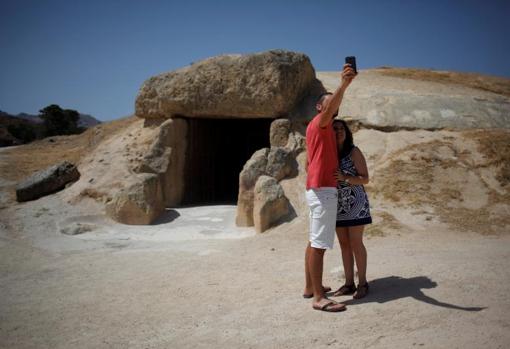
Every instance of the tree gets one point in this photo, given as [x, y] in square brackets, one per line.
[23, 131]
[58, 121]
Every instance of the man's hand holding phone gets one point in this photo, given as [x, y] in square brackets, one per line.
[351, 60]
[349, 72]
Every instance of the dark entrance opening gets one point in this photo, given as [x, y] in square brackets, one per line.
[216, 152]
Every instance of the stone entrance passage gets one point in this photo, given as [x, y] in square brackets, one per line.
[216, 152]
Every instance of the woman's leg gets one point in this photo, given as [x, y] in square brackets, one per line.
[360, 253]
[347, 257]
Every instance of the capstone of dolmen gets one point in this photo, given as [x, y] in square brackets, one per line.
[261, 85]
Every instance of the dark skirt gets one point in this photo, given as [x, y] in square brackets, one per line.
[353, 206]
[354, 222]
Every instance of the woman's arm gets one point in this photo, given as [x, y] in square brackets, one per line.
[361, 168]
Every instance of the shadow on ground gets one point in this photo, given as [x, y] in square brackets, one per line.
[395, 287]
[166, 217]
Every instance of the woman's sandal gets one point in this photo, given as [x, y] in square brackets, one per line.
[345, 290]
[361, 292]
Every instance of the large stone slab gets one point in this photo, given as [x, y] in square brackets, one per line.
[392, 102]
[47, 181]
[267, 84]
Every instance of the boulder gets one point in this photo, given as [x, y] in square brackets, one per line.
[277, 163]
[279, 132]
[252, 170]
[263, 85]
[254, 167]
[281, 163]
[47, 181]
[288, 134]
[270, 203]
[244, 216]
[296, 143]
[139, 203]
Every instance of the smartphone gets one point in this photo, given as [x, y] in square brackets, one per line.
[352, 61]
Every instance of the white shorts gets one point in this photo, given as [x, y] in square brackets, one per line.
[323, 204]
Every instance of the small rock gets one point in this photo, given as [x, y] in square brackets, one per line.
[77, 228]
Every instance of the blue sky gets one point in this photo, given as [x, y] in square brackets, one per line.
[93, 56]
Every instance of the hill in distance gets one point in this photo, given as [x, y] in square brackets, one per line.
[26, 120]
[85, 119]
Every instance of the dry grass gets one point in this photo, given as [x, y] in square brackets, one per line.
[414, 183]
[495, 145]
[409, 181]
[388, 222]
[494, 84]
[26, 159]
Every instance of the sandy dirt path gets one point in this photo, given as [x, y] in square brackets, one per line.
[435, 289]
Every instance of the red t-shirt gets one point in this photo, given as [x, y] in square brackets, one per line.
[322, 155]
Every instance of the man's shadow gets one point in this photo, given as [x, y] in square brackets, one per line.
[395, 287]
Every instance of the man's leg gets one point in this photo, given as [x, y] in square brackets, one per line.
[308, 278]
[320, 301]
[315, 266]
[322, 204]
[308, 292]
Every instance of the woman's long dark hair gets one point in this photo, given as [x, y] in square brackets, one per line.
[348, 142]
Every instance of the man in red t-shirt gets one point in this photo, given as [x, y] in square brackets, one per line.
[321, 192]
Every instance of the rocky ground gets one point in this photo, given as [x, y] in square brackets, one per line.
[438, 255]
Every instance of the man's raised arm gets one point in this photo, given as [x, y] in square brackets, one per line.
[333, 103]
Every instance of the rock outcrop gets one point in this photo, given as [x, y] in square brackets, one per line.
[390, 102]
[166, 157]
[47, 181]
[261, 85]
